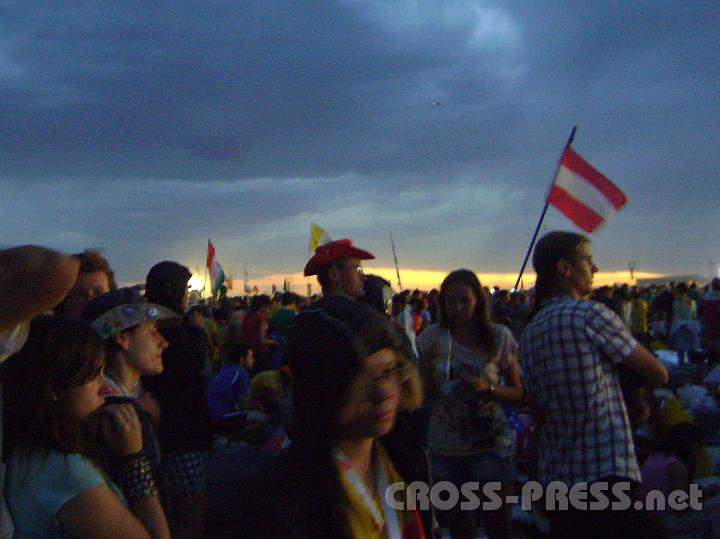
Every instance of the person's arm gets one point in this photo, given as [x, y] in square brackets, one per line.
[33, 280]
[122, 433]
[608, 331]
[643, 362]
[511, 392]
[97, 513]
[429, 356]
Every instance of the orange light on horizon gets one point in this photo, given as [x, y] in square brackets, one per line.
[429, 279]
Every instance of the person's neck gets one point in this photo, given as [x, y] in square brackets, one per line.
[123, 374]
[360, 454]
[565, 291]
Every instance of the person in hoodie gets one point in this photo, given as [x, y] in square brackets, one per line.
[186, 436]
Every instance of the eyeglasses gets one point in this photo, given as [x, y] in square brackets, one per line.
[356, 269]
[398, 374]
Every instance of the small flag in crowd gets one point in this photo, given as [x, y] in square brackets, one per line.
[246, 282]
[318, 237]
[217, 275]
[583, 194]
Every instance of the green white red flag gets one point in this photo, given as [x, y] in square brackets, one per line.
[217, 274]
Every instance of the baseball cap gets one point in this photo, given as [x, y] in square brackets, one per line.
[120, 309]
[334, 250]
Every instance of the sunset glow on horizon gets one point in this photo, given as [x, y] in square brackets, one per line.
[415, 278]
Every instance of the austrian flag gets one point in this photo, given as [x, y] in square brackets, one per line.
[583, 194]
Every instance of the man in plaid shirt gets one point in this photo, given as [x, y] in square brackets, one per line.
[570, 354]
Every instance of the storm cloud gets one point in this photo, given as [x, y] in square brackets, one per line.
[146, 127]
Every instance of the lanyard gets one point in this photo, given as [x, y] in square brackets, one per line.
[449, 357]
[390, 521]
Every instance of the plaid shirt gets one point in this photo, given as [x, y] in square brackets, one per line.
[568, 355]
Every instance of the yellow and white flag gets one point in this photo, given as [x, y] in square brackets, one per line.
[318, 237]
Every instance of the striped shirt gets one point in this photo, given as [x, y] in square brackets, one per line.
[569, 353]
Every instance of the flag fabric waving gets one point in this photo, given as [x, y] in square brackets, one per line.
[318, 237]
[583, 194]
[217, 275]
[246, 282]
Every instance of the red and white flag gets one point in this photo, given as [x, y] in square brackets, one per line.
[583, 194]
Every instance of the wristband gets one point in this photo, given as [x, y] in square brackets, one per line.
[136, 480]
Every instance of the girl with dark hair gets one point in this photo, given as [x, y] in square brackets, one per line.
[463, 359]
[53, 403]
[350, 380]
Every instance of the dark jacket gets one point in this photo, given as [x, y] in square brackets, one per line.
[184, 417]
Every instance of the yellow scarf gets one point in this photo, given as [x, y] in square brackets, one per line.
[365, 525]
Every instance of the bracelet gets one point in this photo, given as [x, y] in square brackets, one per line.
[136, 480]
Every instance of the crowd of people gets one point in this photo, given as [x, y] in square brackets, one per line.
[116, 401]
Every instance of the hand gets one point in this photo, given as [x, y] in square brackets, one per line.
[121, 429]
[151, 405]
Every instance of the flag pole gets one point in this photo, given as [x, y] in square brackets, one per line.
[397, 268]
[544, 211]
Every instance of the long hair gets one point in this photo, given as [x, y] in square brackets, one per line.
[484, 332]
[61, 352]
[326, 348]
[549, 250]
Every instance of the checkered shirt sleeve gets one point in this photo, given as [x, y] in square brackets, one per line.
[568, 356]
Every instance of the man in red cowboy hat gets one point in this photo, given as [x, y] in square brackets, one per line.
[337, 265]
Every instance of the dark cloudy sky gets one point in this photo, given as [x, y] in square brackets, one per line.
[147, 127]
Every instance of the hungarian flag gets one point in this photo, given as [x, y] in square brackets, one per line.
[583, 194]
[217, 275]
